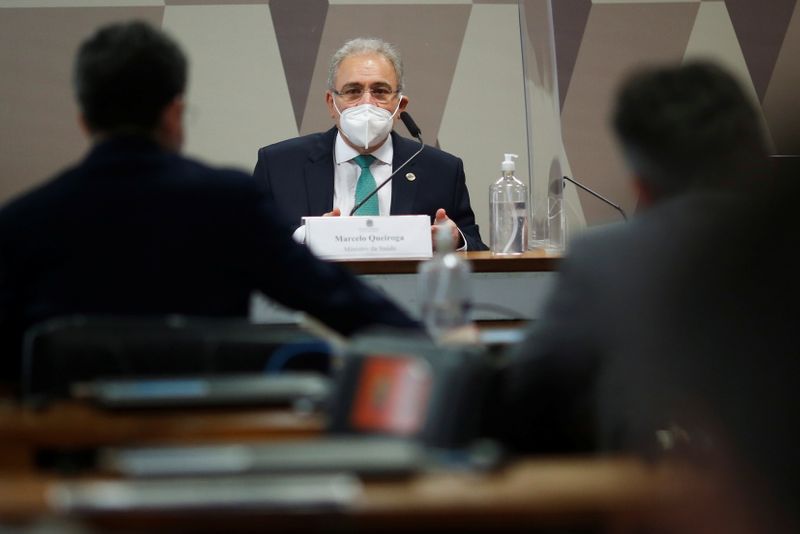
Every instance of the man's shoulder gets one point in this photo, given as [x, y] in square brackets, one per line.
[74, 185]
[602, 236]
[404, 143]
[597, 246]
[36, 197]
[300, 144]
[196, 167]
[655, 236]
[195, 173]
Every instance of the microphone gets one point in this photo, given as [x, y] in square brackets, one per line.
[412, 127]
[414, 130]
[597, 195]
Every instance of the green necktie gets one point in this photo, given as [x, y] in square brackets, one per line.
[365, 186]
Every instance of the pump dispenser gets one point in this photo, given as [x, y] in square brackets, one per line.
[508, 164]
[508, 211]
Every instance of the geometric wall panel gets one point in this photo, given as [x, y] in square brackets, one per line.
[475, 126]
[39, 131]
[258, 74]
[238, 97]
[569, 21]
[298, 27]
[761, 29]
[782, 98]
[714, 38]
[617, 38]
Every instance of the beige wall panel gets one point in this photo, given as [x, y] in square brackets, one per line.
[81, 3]
[212, 2]
[617, 38]
[38, 116]
[713, 38]
[485, 113]
[238, 96]
[782, 100]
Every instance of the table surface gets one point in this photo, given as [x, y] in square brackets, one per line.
[574, 492]
[76, 425]
[525, 493]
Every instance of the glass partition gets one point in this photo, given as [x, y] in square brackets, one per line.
[543, 122]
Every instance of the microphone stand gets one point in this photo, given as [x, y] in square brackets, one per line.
[597, 195]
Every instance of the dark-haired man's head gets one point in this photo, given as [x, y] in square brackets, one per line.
[129, 79]
[687, 127]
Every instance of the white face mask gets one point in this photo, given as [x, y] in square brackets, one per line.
[366, 125]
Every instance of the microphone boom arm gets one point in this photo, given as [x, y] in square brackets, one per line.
[598, 195]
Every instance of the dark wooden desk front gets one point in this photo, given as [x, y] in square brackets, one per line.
[612, 493]
[70, 425]
[606, 494]
[481, 262]
[519, 284]
[503, 287]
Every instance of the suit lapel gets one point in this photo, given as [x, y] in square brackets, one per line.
[319, 174]
[403, 190]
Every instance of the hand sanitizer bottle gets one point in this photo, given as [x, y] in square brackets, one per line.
[508, 212]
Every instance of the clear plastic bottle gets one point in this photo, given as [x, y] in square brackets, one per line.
[444, 288]
[508, 212]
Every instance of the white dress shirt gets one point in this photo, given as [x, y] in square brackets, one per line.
[346, 172]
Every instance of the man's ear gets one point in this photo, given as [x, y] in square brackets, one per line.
[84, 125]
[172, 116]
[403, 103]
[645, 194]
[170, 128]
[331, 108]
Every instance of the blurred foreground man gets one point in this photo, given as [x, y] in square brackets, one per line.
[135, 228]
[675, 335]
[694, 144]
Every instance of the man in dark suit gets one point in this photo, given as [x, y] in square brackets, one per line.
[329, 173]
[137, 229]
[582, 380]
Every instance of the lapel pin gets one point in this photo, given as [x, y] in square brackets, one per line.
[411, 177]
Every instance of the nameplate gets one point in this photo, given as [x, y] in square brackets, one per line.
[367, 238]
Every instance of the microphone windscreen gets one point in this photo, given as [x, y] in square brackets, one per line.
[413, 129]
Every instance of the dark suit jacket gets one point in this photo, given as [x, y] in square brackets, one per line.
[133, 229]
[298, 175]
[676, 334]
[584, 378]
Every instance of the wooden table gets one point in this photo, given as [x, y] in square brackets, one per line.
[481, 262]
[612, 494]
[75, 425]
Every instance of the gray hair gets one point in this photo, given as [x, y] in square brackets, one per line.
[362, 45]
